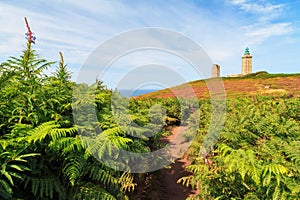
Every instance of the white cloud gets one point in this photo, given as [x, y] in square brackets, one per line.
[259, 33]
[263, 32]
[263, 26]
[259, 7]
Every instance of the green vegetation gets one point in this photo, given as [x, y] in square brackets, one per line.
[262, 75]
[44, 155]
[257, 155]
[41, 153]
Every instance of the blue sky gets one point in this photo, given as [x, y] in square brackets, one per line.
[223, 28]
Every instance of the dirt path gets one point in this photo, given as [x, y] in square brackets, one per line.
[173, 190]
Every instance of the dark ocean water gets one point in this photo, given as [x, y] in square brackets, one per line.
[134, 93]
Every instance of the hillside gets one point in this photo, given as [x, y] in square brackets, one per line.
[260, 83]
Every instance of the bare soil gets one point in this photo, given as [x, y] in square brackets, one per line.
[169, 177]
[162, 184]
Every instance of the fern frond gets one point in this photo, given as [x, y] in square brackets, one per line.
[67, 145]
[41, 132]
[101, 175]
[126, 182]
[73, 167]
[45, 187]
[58, 133]
[91, 191]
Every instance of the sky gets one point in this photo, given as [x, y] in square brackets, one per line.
[222, 28]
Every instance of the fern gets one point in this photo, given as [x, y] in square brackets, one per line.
[13, 165]
[49, 129]
[257, 155]
[102, 175]
[67, 145]
[49, 187]
[91, 191]
[73, 167]
[126, 182]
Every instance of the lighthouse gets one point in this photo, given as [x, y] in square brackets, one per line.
[246, 62]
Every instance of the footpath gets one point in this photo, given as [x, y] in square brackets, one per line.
[172, 189]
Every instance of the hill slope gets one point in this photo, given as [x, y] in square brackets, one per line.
[260, 83]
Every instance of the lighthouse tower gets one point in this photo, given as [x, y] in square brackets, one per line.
[215, 71]
[246, 62]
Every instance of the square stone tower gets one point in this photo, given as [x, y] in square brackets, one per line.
[215, 71]
[246, 62]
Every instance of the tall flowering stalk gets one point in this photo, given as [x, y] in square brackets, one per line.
[31, 39]
[29, 35]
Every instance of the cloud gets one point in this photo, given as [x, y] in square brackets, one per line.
[143, 47]
[272, 29]
[56, 30]
[262, 32]
[77, 27]
[267, 10]
[265, 25]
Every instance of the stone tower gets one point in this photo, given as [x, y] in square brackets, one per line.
[246, 62]
[215, 71]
